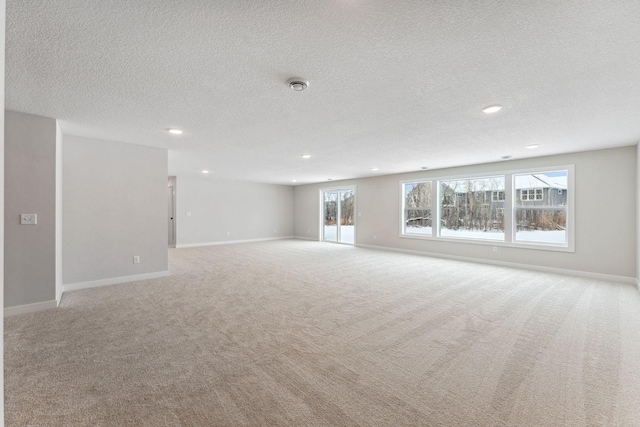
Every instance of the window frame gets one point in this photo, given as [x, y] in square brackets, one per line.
[439, 182]
[509, 209]
[403, 208]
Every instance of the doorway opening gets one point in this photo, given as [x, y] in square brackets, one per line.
[171, 187]
[338, 215]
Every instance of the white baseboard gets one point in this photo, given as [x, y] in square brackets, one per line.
[315, 239]
[30, 308]
[113, 281]
[638, 285]
[231, 242]
[585, 274]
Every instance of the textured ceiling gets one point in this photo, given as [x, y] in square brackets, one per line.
[394, 84]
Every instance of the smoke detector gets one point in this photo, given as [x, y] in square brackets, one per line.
[297, 84]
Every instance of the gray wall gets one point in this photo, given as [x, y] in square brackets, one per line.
[30, 187]
[114, 207]
[605, 188]
[242, 209]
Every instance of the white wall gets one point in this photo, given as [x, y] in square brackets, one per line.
[223, 211]
[114, 208]
[605, 214]
[638, 216]
[30, 187]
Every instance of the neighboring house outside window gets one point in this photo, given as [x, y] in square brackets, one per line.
[497, 196]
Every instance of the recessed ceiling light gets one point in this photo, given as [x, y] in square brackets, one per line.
[297, 84]
[306, 156]
[375, 169]
[505, 157]
[532, 146]
[492, 109]
[175, 131]
[205, 171]
[294, 180]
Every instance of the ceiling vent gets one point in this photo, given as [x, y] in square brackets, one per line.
[298, 84]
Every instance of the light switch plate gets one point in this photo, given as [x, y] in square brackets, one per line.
[28, 219]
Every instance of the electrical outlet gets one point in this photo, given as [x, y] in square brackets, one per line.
[495, 249]
[28, 219]
[308, 231]
[228, 233]
[375, 237]
[136, 259]
[275, 230]
[188, 213]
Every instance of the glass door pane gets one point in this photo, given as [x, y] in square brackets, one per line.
[347, 226]
[330, 221]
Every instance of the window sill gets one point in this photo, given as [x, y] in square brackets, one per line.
[529, 245]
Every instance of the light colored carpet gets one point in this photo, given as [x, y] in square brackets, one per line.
[314, 334]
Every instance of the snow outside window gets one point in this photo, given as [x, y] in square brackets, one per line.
[417, 208]
[474, 216]
[541, 213]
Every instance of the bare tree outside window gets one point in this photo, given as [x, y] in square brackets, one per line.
[417, 208]
[541, 207]
[473, 208]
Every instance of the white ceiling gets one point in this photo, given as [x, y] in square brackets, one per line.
[393, 84]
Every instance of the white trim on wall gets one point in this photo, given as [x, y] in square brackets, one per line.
[30, 308]
[58, 213]
[577, 273]
[232, 242]
[113, 281]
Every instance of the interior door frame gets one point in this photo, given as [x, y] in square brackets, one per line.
[173, 182]
[321, 192]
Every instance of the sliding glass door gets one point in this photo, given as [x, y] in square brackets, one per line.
[338, 215]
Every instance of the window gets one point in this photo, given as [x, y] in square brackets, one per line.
[540, 219]
[530, 208]
[531, 194]
[474, 216]
[417, 208]
[497, 196]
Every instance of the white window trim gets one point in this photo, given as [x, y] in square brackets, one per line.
[509, 206]
[403, 208]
